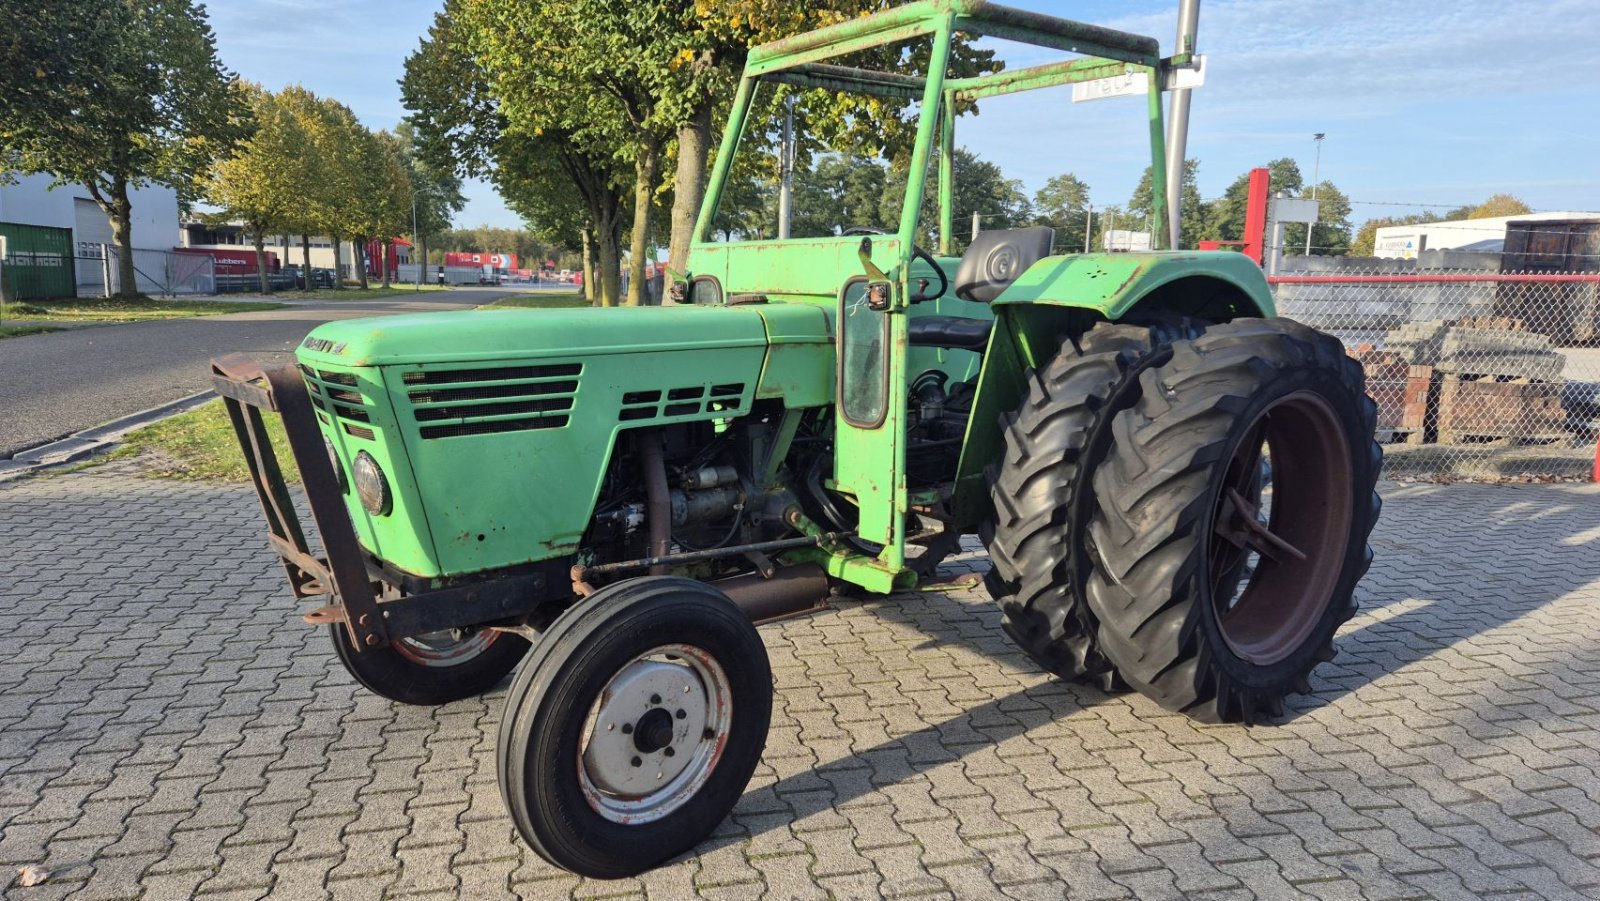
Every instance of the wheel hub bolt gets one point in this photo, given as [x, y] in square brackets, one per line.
[682, 714]
[655, 699]
[627, 728]
[669, 752]
[637, 761]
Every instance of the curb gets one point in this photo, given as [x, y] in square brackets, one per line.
[81, 444]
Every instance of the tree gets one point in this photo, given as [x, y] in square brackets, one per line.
[1331, 234]
[1192, 216]
[260, 183]
[1063, 204]
[437, 191]
[1224, 218]
[1500, 205]
[153, 106]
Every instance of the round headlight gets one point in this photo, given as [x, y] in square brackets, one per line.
[371, 486]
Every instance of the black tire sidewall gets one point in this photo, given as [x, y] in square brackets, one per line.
[548, 709]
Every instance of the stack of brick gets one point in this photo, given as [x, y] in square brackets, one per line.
[1399, 388]
[1492, 378]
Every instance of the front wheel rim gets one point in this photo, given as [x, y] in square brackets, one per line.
[1300, 548]
[654, 734]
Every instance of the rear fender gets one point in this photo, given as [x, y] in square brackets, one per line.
[1064, 296]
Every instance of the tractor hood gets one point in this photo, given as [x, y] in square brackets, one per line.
[473, 335]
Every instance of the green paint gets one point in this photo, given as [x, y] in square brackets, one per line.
[496, 427]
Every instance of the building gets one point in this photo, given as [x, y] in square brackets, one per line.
[61, 233]
[1404, 242]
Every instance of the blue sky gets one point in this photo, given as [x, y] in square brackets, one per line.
[1422, 102]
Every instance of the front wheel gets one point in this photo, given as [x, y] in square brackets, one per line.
[1230, 528]
[634, 726]
[432, 669]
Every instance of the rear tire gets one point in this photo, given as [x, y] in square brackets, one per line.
[634, 726]
[1173, 519]
[431, 670]
[1041, 492]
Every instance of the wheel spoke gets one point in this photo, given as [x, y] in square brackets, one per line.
[1239, 524]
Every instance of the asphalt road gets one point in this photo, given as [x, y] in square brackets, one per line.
[55, 384]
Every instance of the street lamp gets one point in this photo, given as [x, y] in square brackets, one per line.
[1316, 176]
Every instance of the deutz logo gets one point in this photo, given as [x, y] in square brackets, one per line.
[323, 345]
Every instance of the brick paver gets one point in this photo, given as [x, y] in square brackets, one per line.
[169, 729]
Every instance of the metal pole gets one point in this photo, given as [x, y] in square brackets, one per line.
[1316, 175]
[975, 225]
[417, 275]
[786, 169]
[1178, 128]
[1088, 226]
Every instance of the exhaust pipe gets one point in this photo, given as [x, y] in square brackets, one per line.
[791, 590]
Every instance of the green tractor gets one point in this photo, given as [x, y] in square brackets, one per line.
[1175, 487]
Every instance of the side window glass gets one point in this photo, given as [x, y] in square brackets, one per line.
[863, 351]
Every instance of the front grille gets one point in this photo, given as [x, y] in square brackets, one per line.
[337, 393]
[489, 401]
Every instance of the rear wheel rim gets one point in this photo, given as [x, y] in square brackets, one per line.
[437, 650]
[1298, 550]
[654, 734]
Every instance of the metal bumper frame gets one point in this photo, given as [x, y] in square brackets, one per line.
[248, 388]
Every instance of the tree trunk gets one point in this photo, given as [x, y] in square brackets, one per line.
[588, 267]
[122, 234]
[609, 257]
[388, 248]
[261, 261]
[305, 259]
[644, 173]
[694, 144]
[359, 250]
[338, 262]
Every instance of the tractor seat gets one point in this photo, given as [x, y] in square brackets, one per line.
[956, 332]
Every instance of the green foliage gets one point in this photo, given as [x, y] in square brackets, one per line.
[146, 100]
[1500, 205]
[1225, 215]
[1063, 204]
[260, 182]
[1141, 206]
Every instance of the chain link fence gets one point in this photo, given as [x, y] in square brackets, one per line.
[1477, 374]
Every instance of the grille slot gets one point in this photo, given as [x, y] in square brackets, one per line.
[490, 428]
[501, 374]
[492, 401]
[434, 414]
[489, 392]
[343, 401]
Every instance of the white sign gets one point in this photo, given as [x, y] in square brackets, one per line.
[1138, 83]
[1117, 241]
[1287, 209]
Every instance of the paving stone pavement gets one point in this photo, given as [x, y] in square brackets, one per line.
[168, 729]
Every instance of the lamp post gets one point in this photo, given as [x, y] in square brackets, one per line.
[1316, 176]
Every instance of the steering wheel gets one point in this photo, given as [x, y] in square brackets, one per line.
[926, 257]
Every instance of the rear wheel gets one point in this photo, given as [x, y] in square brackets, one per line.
[1218, 582]
[1042, 492]
[436, 668]
[634, 726]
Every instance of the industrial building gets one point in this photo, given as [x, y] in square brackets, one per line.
[1404, 242]
[52, 240]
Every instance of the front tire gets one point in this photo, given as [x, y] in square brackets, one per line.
[1182, 613]
[634, 726]
[431, 669]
